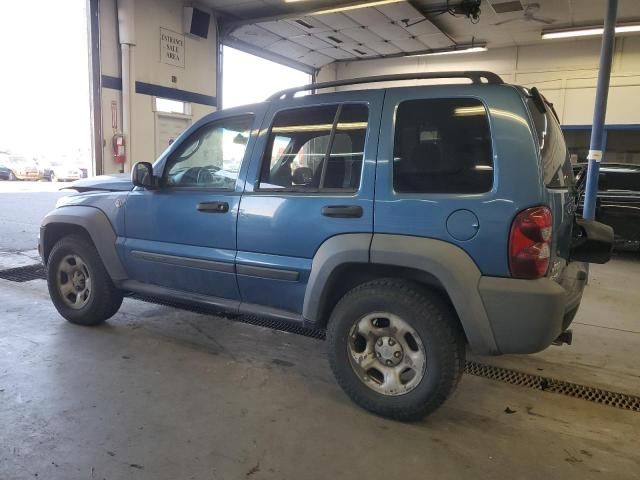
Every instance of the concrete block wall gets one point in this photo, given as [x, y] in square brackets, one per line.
[565, 71]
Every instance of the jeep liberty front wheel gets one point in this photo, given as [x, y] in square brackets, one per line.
[79, 285]
[395, 348]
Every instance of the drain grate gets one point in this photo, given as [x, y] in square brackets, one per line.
[537, 382]
[283, 325]
[24, 274]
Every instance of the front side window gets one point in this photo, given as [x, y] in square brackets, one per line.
[442, 146]
[212, 156]
[315, 149]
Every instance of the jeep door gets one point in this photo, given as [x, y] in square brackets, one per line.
[182, 235]
[311, 179]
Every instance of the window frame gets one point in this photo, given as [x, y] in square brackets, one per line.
[441, 194]
[178, 151]
[314, 191]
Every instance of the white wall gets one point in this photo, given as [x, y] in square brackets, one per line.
[198, 75]
[565, 72]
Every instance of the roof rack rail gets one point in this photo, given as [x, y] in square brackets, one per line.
[474, 76]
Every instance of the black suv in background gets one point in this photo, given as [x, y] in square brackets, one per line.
[618, 203]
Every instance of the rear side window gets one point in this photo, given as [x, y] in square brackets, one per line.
[442, 146]
[556, 164]
[315, 149]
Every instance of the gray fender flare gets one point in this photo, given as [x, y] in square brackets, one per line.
[453, 267]
[99, 228]
[449, 264]
[336, 251]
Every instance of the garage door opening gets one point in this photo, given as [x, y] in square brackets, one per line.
[248, 79]
[44, 93]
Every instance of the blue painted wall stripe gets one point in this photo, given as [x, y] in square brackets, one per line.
[114, 83]
[143, 88]
[175, 94]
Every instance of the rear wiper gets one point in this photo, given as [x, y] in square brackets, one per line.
[540, 102]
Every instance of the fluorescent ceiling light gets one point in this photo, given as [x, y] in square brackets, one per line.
[451, 51]
[588, 32]
[352, 6]
[462, 50]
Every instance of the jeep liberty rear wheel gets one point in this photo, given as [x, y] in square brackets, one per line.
[395, 348]
[79, 285]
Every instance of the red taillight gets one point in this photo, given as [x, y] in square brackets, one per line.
[530, 243]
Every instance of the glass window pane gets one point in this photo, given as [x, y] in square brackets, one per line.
[211, 157]
[170, 106]
[556, 165]
[431, 155]
[577, 144]
[345, 162]
[298, 145]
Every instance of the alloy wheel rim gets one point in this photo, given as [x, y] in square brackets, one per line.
[74, 281]
[386, 354]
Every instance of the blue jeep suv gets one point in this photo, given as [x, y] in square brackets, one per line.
[409, 222]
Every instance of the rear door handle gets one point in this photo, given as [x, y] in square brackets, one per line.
[342, 211]
[213, 207]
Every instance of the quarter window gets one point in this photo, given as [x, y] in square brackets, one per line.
[212, 156]
[442, 146]
[315, 149]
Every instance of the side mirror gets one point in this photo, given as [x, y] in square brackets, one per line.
[142, 176]
[592, 241]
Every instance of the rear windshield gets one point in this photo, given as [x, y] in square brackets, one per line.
[553, 149]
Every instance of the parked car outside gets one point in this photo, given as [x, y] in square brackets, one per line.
[24, 168]
[58, 171]
[6, 173]
[410, 223]
[618, 202]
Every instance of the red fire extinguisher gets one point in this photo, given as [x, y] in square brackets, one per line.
[119, 148]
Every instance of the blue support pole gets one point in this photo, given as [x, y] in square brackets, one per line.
[597, 146]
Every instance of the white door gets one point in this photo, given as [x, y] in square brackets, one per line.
[168, 127]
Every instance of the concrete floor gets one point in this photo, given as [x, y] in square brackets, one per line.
[159, 393]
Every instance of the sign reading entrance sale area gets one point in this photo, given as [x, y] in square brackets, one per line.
[171, 48]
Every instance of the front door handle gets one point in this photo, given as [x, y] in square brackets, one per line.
[342, 211]
[213, 207]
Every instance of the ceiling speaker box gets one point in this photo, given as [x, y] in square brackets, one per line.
[196, 22]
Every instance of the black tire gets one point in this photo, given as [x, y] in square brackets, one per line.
[104, 298]
[432, 319]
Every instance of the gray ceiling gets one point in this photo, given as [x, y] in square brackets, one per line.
[388, 30]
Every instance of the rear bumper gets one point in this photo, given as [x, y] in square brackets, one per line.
[526, 316]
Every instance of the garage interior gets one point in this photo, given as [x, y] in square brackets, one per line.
[161, 391]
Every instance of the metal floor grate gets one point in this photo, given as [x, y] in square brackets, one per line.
[537, 382]
[25, 274]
